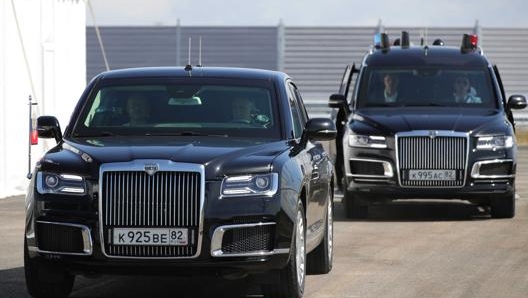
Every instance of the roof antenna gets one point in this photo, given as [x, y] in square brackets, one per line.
[199, 53]
[188, 67]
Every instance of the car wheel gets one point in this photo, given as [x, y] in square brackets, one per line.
[355, 206]
[503, 207]
[321, 258]
[43, 281]
[290, 280]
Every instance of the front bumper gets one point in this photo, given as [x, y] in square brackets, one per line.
[478, 175]
[242, 241]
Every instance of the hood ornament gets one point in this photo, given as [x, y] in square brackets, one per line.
[151, 169]
[433, 134]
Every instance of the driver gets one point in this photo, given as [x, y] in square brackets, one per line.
[242, 109]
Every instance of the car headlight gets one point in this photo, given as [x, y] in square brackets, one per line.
[494, 142]
[367, 141]
[53, 183]
[250, 185]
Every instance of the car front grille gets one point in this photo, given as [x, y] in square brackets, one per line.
[167, 199]
[432, 151]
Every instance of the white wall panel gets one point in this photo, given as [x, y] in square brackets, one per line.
[51, 34]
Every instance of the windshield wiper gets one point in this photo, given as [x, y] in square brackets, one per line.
[99, 134]
[186, 133]
[376, 105]
[425, 104]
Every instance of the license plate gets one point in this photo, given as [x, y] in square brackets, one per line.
[151, 236]
[432, 175]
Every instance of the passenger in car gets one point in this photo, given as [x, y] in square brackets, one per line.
[389, 94]
[138, 110]
[242, 108]
[463, 92]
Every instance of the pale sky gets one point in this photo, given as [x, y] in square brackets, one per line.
[412, 13]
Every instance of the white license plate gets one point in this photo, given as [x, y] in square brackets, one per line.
[430, 175]
[151, 236]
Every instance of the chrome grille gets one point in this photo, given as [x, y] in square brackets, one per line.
[131, 198]
[440, 151]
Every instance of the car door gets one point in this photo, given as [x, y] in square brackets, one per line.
[509, 113]
[313, 161]
[341, 119]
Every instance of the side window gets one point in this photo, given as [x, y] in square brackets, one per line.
[298, 111]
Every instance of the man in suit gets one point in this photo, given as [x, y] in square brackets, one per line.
[390, 93]
[463, 91]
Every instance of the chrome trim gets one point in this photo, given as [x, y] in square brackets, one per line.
[387, 168]
[138, 165]
[475, 171]
[270, 193]
[432, 134]
[218, 235]
[493, 181]
[374, 180]
[85, 232]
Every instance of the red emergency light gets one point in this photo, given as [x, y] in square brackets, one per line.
[469, 42]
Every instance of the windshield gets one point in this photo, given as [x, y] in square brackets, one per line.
[426, 87]
[244, 108]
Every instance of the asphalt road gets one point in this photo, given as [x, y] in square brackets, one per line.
[406, 249]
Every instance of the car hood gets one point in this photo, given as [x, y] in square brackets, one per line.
[391, 121]
[220, 156]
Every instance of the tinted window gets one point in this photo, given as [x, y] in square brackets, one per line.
[139, 107]
[427, 87]
[299, 115]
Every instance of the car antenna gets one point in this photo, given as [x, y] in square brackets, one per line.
[188, 67]
[199, 53]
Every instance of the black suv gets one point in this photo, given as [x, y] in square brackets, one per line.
[189, 171]
[425, 121]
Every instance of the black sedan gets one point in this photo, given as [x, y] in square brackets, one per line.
[183, 171]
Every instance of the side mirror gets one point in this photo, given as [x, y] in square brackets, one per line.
[48, 127]
[319, 129]
[337, 101]
[516, 102]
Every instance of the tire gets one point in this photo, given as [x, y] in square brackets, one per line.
[503, 207]
[321, 258]
[42, 281]
[355, 206]
[289, 283]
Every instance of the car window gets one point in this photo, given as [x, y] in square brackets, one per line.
[147, 107]
[427, 87]
[299, 115]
